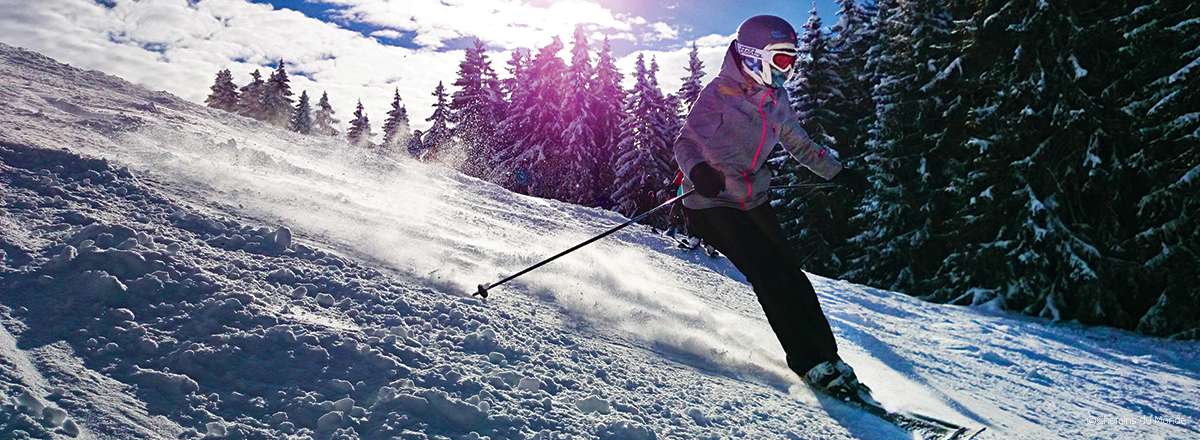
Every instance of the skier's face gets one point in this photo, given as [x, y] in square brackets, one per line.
[772, 66]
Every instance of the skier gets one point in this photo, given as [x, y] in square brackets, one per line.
[722, 149]
[678, 223]
[675, 220]
[415, 147]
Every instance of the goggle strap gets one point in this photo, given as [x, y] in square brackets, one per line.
[748, 51]
[767, 61]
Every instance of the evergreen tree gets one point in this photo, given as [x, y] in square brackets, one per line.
[667, 121]
[577, 169]
[534, 126]
[518, 69]
[817, 85]
[302, 121]
[815, 221]
[277, 98]
[475, 109]
[250, 97]
[359, 134]
[906, 157]
[515, 94]
[438, 136]
[690, 90]
[323, 121]
[851, 39]
[642, 173]
[1039, 217]
[395, 128]
[224, 94]
[1161, 54]
[607, 113]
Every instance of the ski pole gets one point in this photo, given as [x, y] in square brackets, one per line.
[806, 186]
[483, 288]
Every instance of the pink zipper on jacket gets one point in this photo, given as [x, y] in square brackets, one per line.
[762, 140]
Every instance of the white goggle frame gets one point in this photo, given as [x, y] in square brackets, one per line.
[767, 56]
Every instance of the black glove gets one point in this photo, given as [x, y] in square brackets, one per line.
[708, 181]
[852, 180]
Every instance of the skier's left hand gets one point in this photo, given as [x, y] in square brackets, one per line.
[852, 180]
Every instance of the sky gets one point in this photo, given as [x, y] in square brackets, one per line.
[365, 49]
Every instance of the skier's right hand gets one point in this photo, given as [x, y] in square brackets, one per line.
[708, 180]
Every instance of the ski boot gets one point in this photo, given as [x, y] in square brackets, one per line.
[837, 379]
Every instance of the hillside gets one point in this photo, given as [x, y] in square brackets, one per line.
[173, 271]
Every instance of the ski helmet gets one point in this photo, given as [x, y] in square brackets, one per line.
[766, 45]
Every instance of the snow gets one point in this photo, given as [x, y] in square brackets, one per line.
[1080, 72]
[1166, 100]
[944, 74]
[1191, 175]
[151, 291]
[1183, 72]
[1181, 26]
[1149, 26]
[981, 144]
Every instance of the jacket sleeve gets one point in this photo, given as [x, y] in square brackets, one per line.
[818, 159]
[694, 142]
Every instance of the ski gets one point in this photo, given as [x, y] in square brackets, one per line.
[926, 427]
[684, 243]
[712, 251]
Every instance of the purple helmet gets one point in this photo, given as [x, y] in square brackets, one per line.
[767, 47]
[761, 31]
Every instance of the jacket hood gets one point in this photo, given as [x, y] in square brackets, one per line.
[731, 70]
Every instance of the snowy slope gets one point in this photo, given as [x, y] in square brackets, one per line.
[170, 270]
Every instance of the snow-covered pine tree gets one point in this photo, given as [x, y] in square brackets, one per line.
[323, 121]
[897, 216]
[250, 97]
[277, 98]
[302, 121]
[1161, 47]
[815, 221]
[673, 117]
[437, 138]
[642, 174]
[475, 110]
[224, 94]
[850, 40]
[515, 94]
[1041, 194]
[518, 64]
[816, 85]
[667, 124]
[607, 113]
[534, 126]
[395, 128]
[690, 89]
[577, 168]
[359, 134]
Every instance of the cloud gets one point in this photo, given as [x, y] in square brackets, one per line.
[502, 23]
[673, 62]
[178, 46]
[715, 40]
[663, 31]
[386, 33]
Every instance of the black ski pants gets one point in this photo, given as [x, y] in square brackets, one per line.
[754, 242]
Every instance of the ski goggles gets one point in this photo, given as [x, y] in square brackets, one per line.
[781, 56]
